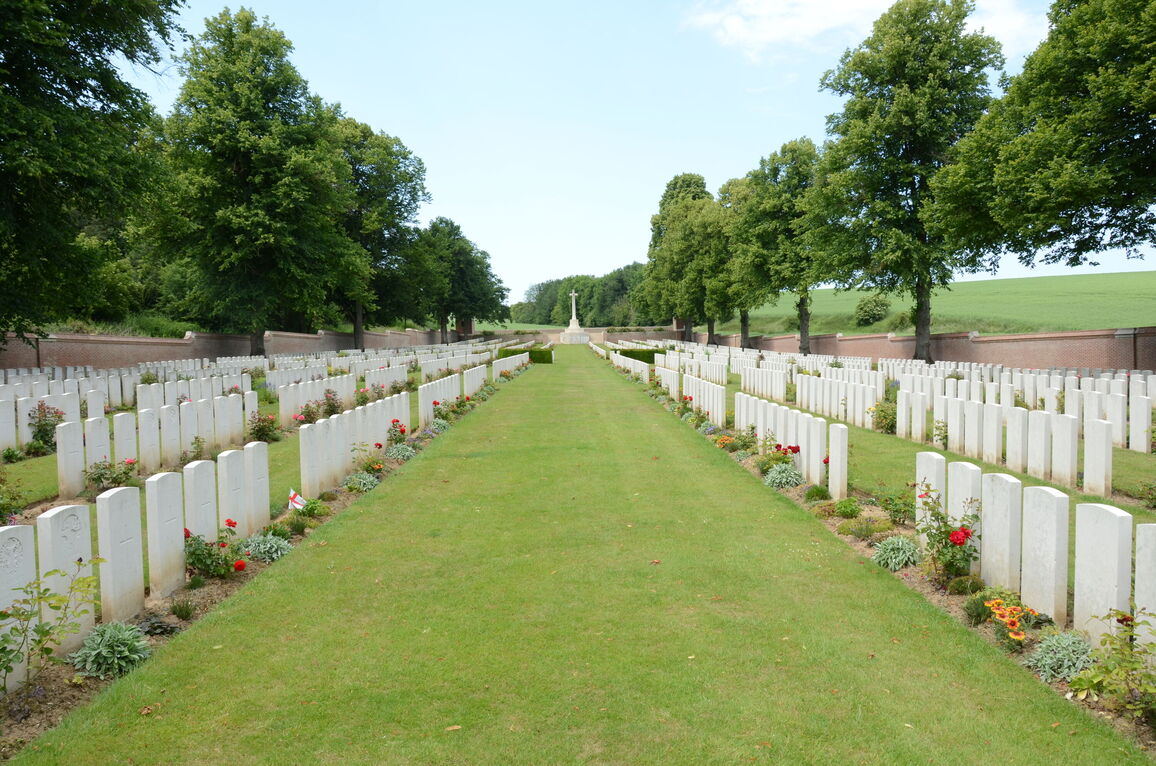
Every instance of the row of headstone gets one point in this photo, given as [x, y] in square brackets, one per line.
[1025, 548]
[709, 397]
[669, 379]
[291, 398]
[153, 396]
[632, 366]
[442, 390]
[816, 440]
[597, 349]
[839, 399]
[473, 379]
[199, 499]
[153, 438]
[387, 376]
[331, 447]
[498, 366]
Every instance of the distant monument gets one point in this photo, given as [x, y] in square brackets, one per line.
[574, 333]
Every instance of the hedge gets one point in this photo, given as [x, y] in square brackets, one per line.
[641, 354]
[537, 355]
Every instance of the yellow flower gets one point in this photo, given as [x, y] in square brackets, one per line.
[1018, 635]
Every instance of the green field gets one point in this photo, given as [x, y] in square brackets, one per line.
[990, 306]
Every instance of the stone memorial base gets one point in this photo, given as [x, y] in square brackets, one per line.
[574, 336]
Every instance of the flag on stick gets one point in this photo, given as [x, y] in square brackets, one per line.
[296, 502]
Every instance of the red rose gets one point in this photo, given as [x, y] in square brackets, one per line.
[224, 545]
[467, 398]
[230, 523]
[957, 537]
[377, 445]
[395, 421]
[188, 534]
[826, 461]
[437, 403]
[238, 566]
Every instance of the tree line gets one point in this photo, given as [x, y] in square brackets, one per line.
[254, 205]
[601, 301]
[926, 174]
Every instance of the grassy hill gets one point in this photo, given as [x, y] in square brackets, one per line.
[990, 306]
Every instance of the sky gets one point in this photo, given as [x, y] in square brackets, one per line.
[549, 129]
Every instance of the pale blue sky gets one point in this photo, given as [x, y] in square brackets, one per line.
[549, 130]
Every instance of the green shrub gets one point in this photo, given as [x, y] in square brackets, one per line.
[297, 524]
[848, 508]
[899, 506]
[312, 509]
[11, 455]
[883, 417]
[267, 547]
[400, 452]
[742, 455]
[965, 585]
[148, 378]
[439, 425]
[1124, 667]
[1060, 657]
[816, 492]
[105, 474]
[195, 581]
[871, 309]
[43, 420]
[783, 476]
[111, 650]
[1146, 493]
[278, 529]
[182, 610]
[327, 497]
[361, 481]
[895, 553]
[263, 428]
[864, 528]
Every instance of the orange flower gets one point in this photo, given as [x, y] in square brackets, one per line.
[1018, 635]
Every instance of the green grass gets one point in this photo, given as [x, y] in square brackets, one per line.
[992, 306]
[499, 601]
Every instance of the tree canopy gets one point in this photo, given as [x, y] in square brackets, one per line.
[460, 283]
[68, 121]
[914, 88]
[1064, 165]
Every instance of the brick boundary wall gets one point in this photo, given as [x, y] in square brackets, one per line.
[1121, 349]
[112, 351]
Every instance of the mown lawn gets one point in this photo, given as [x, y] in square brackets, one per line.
[572, 575]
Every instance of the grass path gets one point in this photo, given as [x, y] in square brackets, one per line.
[571, 575]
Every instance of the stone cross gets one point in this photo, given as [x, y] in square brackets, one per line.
[573, 307]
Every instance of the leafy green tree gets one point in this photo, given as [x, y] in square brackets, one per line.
[1062, 166]
[460, 284]
[667, 288]
[261, 184]
[67, 126]
[767, 221]
[388, 183]
[915, 87]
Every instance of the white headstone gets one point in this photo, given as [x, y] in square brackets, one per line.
[1140, 424]
[1065, 444]
[70, 459]
[1044, 580]
[17, 569]
[837, 463]
[964, 489]
[64, 538]
[170, 417]
[200, 486]
[1103, 566]
[232, 500]
[1001, 532]
[1145, 596]
[118, 534]
[124, 436]
[1098, 457]
[96, 442]
[164, 512]
[257, 484]
[1040, 444]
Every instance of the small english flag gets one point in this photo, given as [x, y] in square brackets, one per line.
[296, 502]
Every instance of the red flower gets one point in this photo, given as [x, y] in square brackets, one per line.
[1124, 619]
[925, 495]
[437, 403]
[377, 445]
[467, 398]
[395, 421]
[223, 545]
[238, 566]
[230, 523]
[402, 429]
[826, 461]
[188, 534]
[795, 448]
[958, 537]
[690, 398]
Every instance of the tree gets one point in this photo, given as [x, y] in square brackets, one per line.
[767, 223]
[460, 284]
[665, 289]
[1062, 166]
[915, 87]
[67, 125]
[261, 185]
[388, 183]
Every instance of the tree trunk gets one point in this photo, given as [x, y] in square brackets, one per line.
[923, 318]
[687, 329]
[443, 325]
[744, 328]
[710, 339]
[803, 306]
[257, 343]
[358, 326]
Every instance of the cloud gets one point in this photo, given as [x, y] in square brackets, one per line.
[760, 28]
